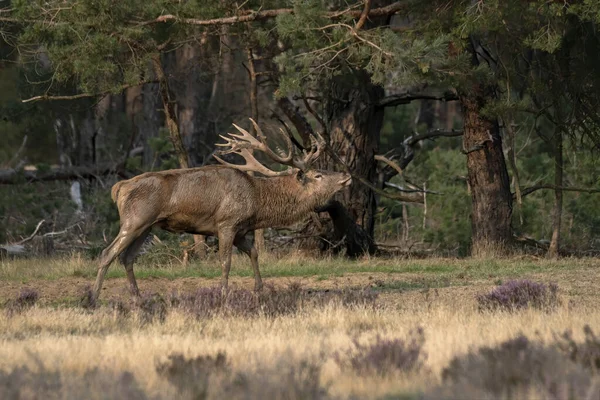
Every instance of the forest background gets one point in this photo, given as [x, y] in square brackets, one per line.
[471, 127]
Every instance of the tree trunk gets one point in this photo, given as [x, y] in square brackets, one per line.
[354, 122]
[487, 177]
[354, 132]
[554, 249]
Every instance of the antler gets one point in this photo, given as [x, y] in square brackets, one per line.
[316, 148]
[243, 143]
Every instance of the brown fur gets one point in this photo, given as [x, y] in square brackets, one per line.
[212, 200]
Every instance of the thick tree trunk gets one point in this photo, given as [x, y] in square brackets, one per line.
[354, 132]
[487, 177]
[354, 122]
[554, 249]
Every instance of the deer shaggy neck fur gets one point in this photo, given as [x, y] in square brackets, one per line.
[285, 200]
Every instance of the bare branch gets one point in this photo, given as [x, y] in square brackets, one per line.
[261, 15]
[12, 176]
[18, 153]
[37, 228]
[400, 188]
[314, 114]
[396, 100]
[408, 149]
[535, 188]
[303, 127]
[85, 95]
[388, 162]
[364, 15]
[395, 196]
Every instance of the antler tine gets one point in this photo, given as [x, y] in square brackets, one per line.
[252, 164]
[287, 159]
[317, 146]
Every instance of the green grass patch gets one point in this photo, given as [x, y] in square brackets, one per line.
[24, 270]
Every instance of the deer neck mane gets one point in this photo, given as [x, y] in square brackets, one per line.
[282, 201]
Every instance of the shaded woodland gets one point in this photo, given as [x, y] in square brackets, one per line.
[468, 127]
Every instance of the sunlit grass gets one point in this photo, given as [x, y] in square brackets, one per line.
[289, 266]
[75, 340]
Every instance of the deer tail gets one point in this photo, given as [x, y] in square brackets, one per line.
[114, 193]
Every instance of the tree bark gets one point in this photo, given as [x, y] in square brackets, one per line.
[554, 249]
[354, 132]
[354, 121]
[487, 177]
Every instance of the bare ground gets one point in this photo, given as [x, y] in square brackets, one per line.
[579, 286]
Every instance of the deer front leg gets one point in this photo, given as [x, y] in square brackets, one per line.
[226, 237]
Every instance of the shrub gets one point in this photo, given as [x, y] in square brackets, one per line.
[387, 355]
[270, 302]
[296, 380]
[24, 301]
[190, 376]
[517, 368]
[24, 383]
[586, 354]
[518, 295]
[152, 307]
[209, 377]
[275, 302]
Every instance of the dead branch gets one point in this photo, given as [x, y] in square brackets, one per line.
[27, 239]
[408, 150]
[388, 162]
[251, 15]
[476, 147]
[364, 15]
[416, 190]
[12, 176]
[85, 95]
[396, 100]
[303, 127]
[535, 188]
[18, 153]
[408, 198]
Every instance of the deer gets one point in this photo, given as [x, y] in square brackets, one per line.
[220, 200]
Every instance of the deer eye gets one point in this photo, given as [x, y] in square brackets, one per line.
[318, 176]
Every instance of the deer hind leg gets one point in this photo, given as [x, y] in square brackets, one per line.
[246, 246]
[225, 245]
[123, 240]
[128, 257]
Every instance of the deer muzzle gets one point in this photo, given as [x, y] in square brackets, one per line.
[345, 181]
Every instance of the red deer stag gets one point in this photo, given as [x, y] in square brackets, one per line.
[219, 200]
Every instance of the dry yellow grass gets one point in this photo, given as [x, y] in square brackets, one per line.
[73, 340]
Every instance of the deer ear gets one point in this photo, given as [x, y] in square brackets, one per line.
[300, 176]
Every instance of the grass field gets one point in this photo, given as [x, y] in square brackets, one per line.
[319, 350]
